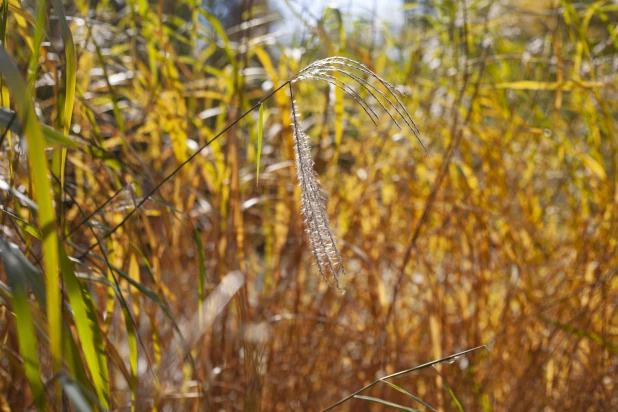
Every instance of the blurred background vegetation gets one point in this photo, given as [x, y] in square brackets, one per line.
[204, 295]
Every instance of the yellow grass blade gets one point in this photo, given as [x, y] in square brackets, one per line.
[42, 191]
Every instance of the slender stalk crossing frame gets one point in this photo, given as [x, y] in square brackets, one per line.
[321, 236]
[394, 375]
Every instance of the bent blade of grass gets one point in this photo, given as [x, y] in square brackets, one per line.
[16, 273]
[51, 136]
[453, 396]
[387, 403]
[393, 375]
[111, 350]
[88, 329]
[42, 191]
[27, 227]
[397, 388]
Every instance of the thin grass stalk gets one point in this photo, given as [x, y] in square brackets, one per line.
[394, 375]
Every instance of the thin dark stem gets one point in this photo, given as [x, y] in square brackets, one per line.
[180, 166]
[394, 375]
[97, 210]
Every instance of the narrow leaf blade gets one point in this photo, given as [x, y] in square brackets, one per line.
[387, 403]
[87, 328]
[397, 388]
[16, 274]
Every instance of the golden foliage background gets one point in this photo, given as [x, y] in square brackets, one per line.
[504, 236]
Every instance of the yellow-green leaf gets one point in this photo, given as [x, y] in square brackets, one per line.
[42, 194]
[16, 273]
[88, 329]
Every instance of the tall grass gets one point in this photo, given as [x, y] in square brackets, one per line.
[146, 265]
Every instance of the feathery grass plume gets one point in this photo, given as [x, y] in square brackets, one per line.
[353, 70]
[321, 237]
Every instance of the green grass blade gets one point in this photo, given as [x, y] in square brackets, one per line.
[27, 227]
[450, 391]
[149, 293]
[42, 193]
[88, 329]
[259, 142]
[69, 73]
[16, 273]
[66, 99]
[397, 388]
[52, 137]
[453, 396]
[387, 403]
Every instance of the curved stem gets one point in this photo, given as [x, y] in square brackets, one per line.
[426, 365]
[180, 166]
